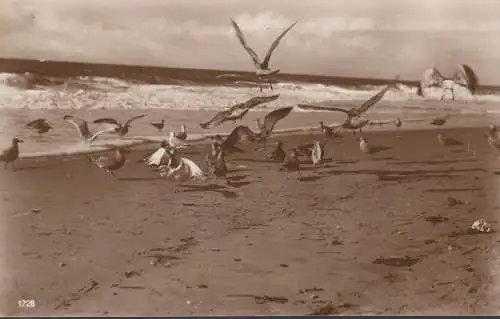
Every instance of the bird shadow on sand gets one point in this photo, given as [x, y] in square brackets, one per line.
[252, 160]
[237, 177]
[240, 184]
[434, 162]
[209, 188]
[449, 190]
[30, 168]
[404, 172]
[138, 179]
[311, 178]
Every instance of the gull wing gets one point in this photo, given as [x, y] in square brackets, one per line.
[106, 120]
[192, 169]
[156, 157]
[374, 99]
[465, 76]
[275, 44]
[240, 133]
[96, 135]
[80, 125]
[431, 78]
[273, 117]
[322, 108]
[35, 123]
[133, 119]
[217, 120]
[243, 42]
[253, 102]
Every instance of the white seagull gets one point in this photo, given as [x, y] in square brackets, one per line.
[262, 67]
[184, 171]
[176, 142]
[465, 77]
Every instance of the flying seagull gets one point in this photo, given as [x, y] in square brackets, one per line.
[237, 111]
[119, 128]
[464, 77]
[80, 125]
[185, 170]
[270, 121]
[110, 164]
[10, 154]
[354, 111]
[40, 125]
[262, 67]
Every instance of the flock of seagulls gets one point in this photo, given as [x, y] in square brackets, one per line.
[167, 161]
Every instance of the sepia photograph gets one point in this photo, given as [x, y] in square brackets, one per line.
[237, 157]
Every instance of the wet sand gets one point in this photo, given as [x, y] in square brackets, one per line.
[79, 242]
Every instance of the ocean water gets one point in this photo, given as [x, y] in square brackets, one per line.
[192, 96]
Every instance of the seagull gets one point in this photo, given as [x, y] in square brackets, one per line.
[262, 67]
[120, 129]
[292, 163]
[182, 135]
[278, 153]
[354, 124]
[448, 141]
[216, 162]
[109, 163]
[176, 142]
[318, 153]
[10, 154]
[185, 170]
[440, 121]
[237, 111]
[238, 134]
[156, 158]
[40, 125]
[327, 131]
[80, 125]
[493, 139]
[465, 77]
[398, 123]
[354, 111]
[158, 125]
[367, 148]
[270, 121]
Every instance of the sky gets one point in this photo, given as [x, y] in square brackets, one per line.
[358, 38]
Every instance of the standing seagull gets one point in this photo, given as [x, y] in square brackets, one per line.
[118, 128]
[318, 153]
[278, 153]
[448, 141]
[354, 111]
[11, 154]
[158, 125]
[292, 163]
[465, 77]
[368, 148]
[327, 131]
[493, 139]
[40, 125]
[237, 111]
[182, 135]
[110, 164]
[216, 162]
[262, 67]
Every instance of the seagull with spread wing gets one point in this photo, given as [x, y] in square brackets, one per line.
[270, 121]
[354, 111]
[80, 125]
[237, 111]
[118, 128]
[464, 77]
[182, 171]
[40, 125]
[262, 67]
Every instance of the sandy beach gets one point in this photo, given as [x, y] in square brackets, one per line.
[364, 234]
